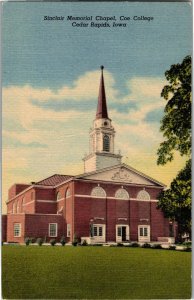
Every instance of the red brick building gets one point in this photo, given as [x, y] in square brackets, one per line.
[110, 202]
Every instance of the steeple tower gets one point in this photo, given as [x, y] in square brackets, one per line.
[101, 137]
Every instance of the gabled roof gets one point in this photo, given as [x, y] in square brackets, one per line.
[54, 180]
[121, 173]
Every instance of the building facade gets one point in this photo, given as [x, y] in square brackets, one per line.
[109, 202]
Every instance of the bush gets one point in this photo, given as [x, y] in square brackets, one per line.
[188, 249]
[157, 246]
[134, 245]
[84, 243]
[2, 242]
[27, 241]
[146, 245]
[32, 240]
[120, 245]
[75, 240]
[62, 241]
[171, 247]
[39, 241]
[52, 242]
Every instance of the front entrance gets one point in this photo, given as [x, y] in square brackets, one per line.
[122, 233]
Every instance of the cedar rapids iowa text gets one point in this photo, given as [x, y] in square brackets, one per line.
[98, 21]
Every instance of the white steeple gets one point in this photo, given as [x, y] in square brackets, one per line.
[102, 135]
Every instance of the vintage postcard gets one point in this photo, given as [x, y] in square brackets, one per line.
[96, 151]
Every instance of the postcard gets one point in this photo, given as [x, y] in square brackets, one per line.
[96, 150]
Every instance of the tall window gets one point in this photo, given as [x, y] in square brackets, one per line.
[53, 229]
[18, 207]
[106, 143]
[17, 229]
[67, 193]
[58, 196]
[68, 230]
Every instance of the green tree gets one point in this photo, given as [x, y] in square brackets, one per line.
[176, 128]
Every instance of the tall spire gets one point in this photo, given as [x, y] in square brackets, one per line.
[102, 108]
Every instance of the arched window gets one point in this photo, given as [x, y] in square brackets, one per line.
[14, 207]
[59, 196]
[22, 204]
[143, 195]
[68, 193]
[18, 207]
[106, 143]
[98, 192]
[122, 194]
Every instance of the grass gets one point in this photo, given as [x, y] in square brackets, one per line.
[45, 272]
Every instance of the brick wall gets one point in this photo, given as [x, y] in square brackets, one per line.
[4, 228]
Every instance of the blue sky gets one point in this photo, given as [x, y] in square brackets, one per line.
[51, 79]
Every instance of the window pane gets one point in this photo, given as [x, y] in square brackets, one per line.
[141, 231]
[53, 230]
[119, 231]
[68, 230]
[95, 231]
[100, 231]
[145, 231]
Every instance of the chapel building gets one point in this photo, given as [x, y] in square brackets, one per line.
[109, 202]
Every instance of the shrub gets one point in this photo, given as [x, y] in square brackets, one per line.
[134, 245]
[146, 245]
[188, 249]
[2, 243]
[39, 241]
[32, 240]
[120, 245]
[75, 240]
[171, 247]
[62, 241]
[27, 241]
[157, 246]
[52, 242]
[84, 243]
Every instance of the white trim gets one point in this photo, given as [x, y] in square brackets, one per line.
[144, 238]
[133, 199]
[28, 202]
[119, 183]
[56, 229]
[60, 199]
[47, 201]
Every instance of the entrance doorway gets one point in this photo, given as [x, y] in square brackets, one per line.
[122, 233]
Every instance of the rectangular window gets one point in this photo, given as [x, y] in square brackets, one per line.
[53, 229]
[98, 230]
[119, 231]
[68, 230]
[145, 231]
[17, 229]
[95, 231]
[141, 231]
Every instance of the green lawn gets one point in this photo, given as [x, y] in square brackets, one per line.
[94, 273]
